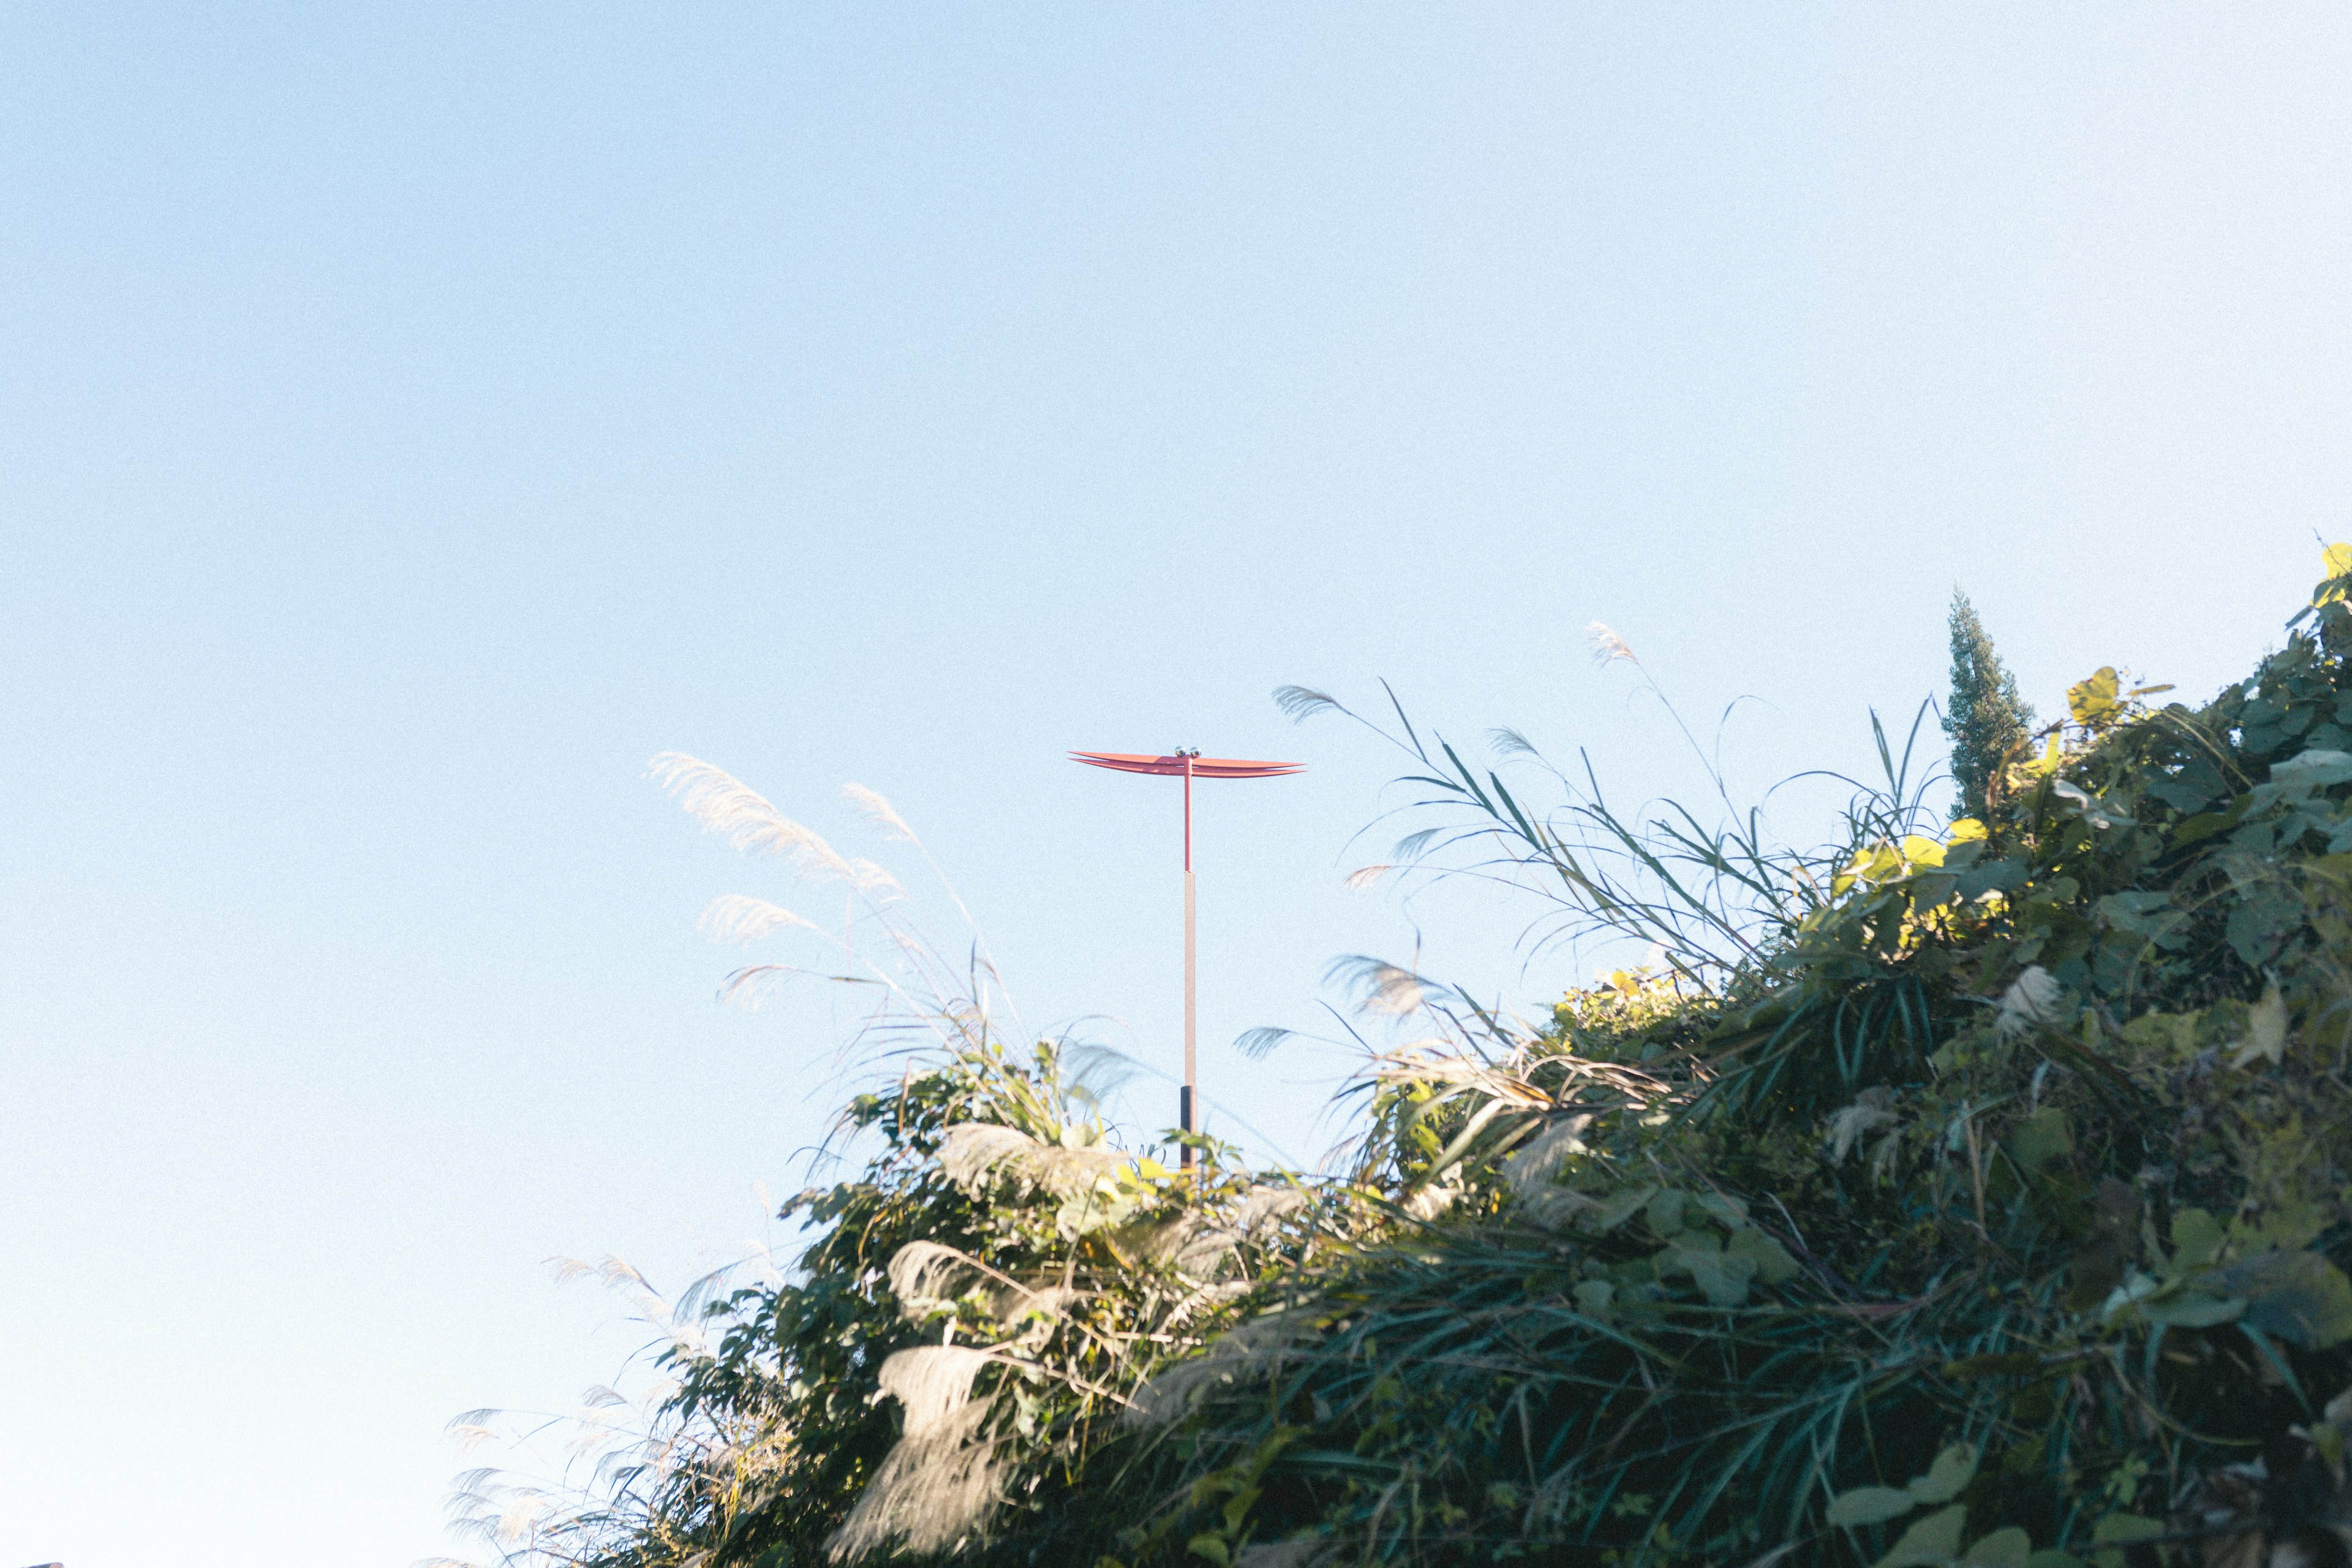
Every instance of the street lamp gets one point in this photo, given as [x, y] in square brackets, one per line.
[1188, 766]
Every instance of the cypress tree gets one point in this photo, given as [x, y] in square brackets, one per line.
[1986, 718]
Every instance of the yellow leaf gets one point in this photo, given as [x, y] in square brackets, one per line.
[1921, 851]
[2337, 561]
[2094, 701]
[2265, 1031]
[1967, 830]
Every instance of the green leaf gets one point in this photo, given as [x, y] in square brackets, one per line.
[1722, 1276]
[2009, 1548]
[2121, 1529]
[1934, 1541]
[1992, 877]
[1773, 1264]
[1724, 1209]
[2040, 1140]
[1665, 1213]
[1617, 1208]
[2257, 926]
[1212, 1547]
[2299, 1297]
[2197, 1238]
[2193, 1310]
[2315, 769]
[1871, 1505]
[2051, 1557]
[1955, 1467]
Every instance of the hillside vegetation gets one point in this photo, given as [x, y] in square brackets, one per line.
[1970, 1192]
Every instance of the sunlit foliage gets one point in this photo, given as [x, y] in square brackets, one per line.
[1974, 1194]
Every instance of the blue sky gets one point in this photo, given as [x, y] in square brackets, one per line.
[413, 418]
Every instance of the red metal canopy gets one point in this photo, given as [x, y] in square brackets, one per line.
[1198, 767]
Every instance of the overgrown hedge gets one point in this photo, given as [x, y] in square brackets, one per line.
[1973, 1194]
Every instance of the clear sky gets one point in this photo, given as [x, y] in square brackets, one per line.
[413, 417]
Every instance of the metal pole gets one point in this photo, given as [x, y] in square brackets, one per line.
[1191, 988]
[1188, 762]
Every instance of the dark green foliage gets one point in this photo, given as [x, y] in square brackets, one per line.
[1986, 719]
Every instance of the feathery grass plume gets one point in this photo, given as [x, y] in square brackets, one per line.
[1426, 1203]
[1068, 1171]
[1261, 1206]
[923, 1274]
[970, 1151]
[1607, 648]
[2031, 1000]
[932, 1382]
[1379, 986]
[724, 805]
[1303, 702]
[880, 812]
[1872, 1110]
[1249, 1353]
[1539, 1159]
[936, 1485]
[741, 918]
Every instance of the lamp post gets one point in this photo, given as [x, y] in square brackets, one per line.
[1188, 766]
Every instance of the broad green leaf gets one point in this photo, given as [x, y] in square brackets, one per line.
[2196, 1239]
[2174, 1033]
[2040, 1140]
[2009, 1548]
[1723, 1277]
[1955, 1467]
[2193, 1310]
[2121, 1529]
[1871, 1505]
[1666, 1213]
[1620, 1206]
[2299, 1297]
[2051, 1557]
[1921, 851]
[1934, 1541]
[2318, 769]
[1773, 1264]
[2260, 922]
[1724, 1209]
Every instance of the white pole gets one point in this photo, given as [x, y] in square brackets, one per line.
[1192, 978]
